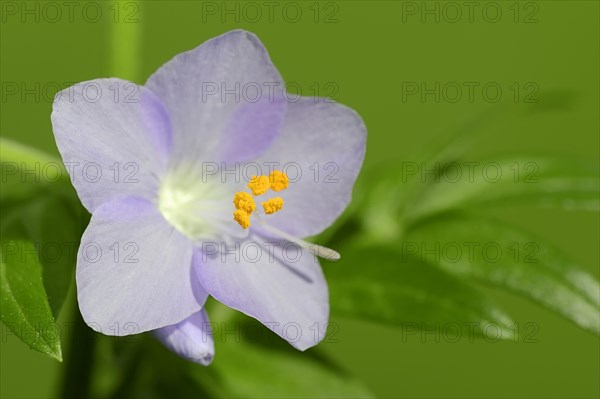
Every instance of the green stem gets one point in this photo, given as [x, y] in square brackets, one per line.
[130, 370]
[125, 40]
[77, 376]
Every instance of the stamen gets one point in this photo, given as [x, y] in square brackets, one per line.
[259, 184]
[272, 205]
[279, 180]
[244, 201]
[318, 250]
[242, 217]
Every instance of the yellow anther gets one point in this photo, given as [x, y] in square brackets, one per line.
[279, 180]
[242, 217]
[259, 184]
[272, 205]
[244, 201]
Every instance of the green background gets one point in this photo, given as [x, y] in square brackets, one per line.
[369, 53]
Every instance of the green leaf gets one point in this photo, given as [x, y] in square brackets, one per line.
[569, 184]
[54, 227]
[510, 259]
[38, 204]
[25, 308]
[384, 285]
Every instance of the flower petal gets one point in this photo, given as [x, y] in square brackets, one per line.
[321, 148]
[251, 130]
[114, 137]
[208, 88]
[274, 281]
[134, 270]
[191, 338]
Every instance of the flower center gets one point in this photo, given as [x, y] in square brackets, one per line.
[195, 207]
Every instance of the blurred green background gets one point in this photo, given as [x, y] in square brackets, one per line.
[368, 52]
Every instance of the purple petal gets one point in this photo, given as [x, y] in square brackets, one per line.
[208, 88]
[114, 137]
[276, 282]
[321, 148]
[191, 338]
[251, 130]
[134, 271]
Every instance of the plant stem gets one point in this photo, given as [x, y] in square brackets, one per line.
[77, 375]
[125, 40]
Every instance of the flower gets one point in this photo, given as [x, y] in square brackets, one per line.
[166, 171]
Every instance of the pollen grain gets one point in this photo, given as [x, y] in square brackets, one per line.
[244, 201]
[242, 217]
[279, 180]
[259, 184]
[272, 205]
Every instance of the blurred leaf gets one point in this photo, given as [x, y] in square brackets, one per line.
[240, 370]
[40, 166]
[251, 370]
[25, 308]
[13, 151]
[250, 362]
[504, 257]
[20, 184]
[386, 192]
[253, 362]
[139, 366]
[554, 100]
[569, 184]
[384, 285]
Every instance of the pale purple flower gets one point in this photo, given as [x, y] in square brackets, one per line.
[162, 235]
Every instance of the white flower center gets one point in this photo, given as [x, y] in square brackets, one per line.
[199, 208]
